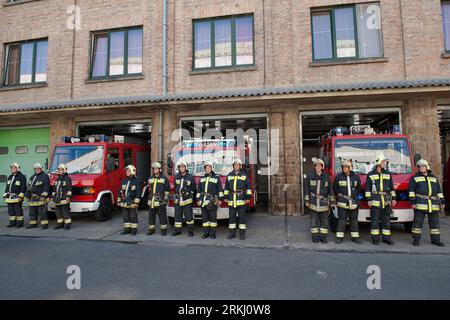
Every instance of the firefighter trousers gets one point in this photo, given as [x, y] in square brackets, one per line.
[38, 212]
[209, 217]
[185, 211]
[130, 219]
[353, 217]
[161, 213]
[238, 214]
[15, 213]
[63, 214]
[318, 223]
[377, 215]
[433, 221]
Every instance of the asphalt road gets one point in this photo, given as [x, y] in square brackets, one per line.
[35, 268]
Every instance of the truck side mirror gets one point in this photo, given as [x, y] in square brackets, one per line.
[417, 157]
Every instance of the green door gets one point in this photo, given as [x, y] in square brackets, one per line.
[25, 146]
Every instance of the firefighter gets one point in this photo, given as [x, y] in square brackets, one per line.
[37, 194]
[238, 193]
[61, 196]
[15, 189]
[158, 196]
[209, 197]
[184, 198]
[346, 189]
[318, 199]
[426, 199]
[129, 198]
[380, 194]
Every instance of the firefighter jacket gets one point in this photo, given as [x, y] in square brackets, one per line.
[129, 193]
[380, 188]
[425, 192]
[15, 189]
[184, 189]
[38, 189]
[318, 192]
[209, 190]
[237, 188]
[346, 189]
[62, 190]
[158, 190]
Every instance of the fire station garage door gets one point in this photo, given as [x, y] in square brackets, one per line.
[25, 146]
[444, 126]
[316, 124]
[196, 125]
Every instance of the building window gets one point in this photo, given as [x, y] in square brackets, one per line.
[21, 150]
[4, 150]
[223, 42]
[446, 24]
[41, 149]
[347, 32]
[117, 53]
[26, 62]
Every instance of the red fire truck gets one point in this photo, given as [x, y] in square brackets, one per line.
[221, 153]
[362, 145]
[96, 166]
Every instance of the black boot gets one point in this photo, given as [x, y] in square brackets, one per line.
[212, 234]
[125, 231]
[19, 224]
[163, 232]
[416, 242]
[388, 241]
[191, 232]
[133, 232]
[339, 240]
[44, 226]
[176, 232]
[323, 239]
[232, 234]
[315, 239]
[151, 232]
[205, 234]
[356, 240]
[375, 242]
[67, 226]
[12, 224]
[59, 226]
[241, 234]
[31, 226]
[437, 242]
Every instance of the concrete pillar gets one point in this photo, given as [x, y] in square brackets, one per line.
[60, 126]
[170, 123]
[287, 121]
[421, 124]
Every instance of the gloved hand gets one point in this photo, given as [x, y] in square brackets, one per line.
[307, 204]
[6, 195]
[199, 203]
[134, 205]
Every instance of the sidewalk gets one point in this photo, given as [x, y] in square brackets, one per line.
[264, 231]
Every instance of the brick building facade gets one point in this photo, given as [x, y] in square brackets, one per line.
[410, 76]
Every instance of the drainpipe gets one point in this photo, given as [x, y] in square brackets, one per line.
[164, 77]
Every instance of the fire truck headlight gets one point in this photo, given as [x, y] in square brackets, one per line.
[88, 191]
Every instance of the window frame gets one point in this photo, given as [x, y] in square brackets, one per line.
[331, 10]
[33, 64]
[444, 2]
[212, 21]
[125, 53]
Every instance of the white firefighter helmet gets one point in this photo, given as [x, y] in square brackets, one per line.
[379, 160]
[181, 163]
[131, 168]
[423, 163]
[16, 165]
[37, 165]
[209, 163]
[347, 163]
[63, 167]
[237, 161]
[319, 161]
[156, 165]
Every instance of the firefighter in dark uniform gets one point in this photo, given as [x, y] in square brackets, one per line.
[184, 199]
[426, 199]
[16, 187]
[128, 200]
[38, 196]
[61, 196]
[380, 194]
[346, 189]
[209, 197]
[318, 199]
[158, 196]
[237, 193]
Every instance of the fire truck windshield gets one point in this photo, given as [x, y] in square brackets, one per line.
[79, 159]
[221, 158]
[364, 151]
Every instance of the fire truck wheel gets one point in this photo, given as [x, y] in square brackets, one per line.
[171, 221]
[104, 211]
[408, 226]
